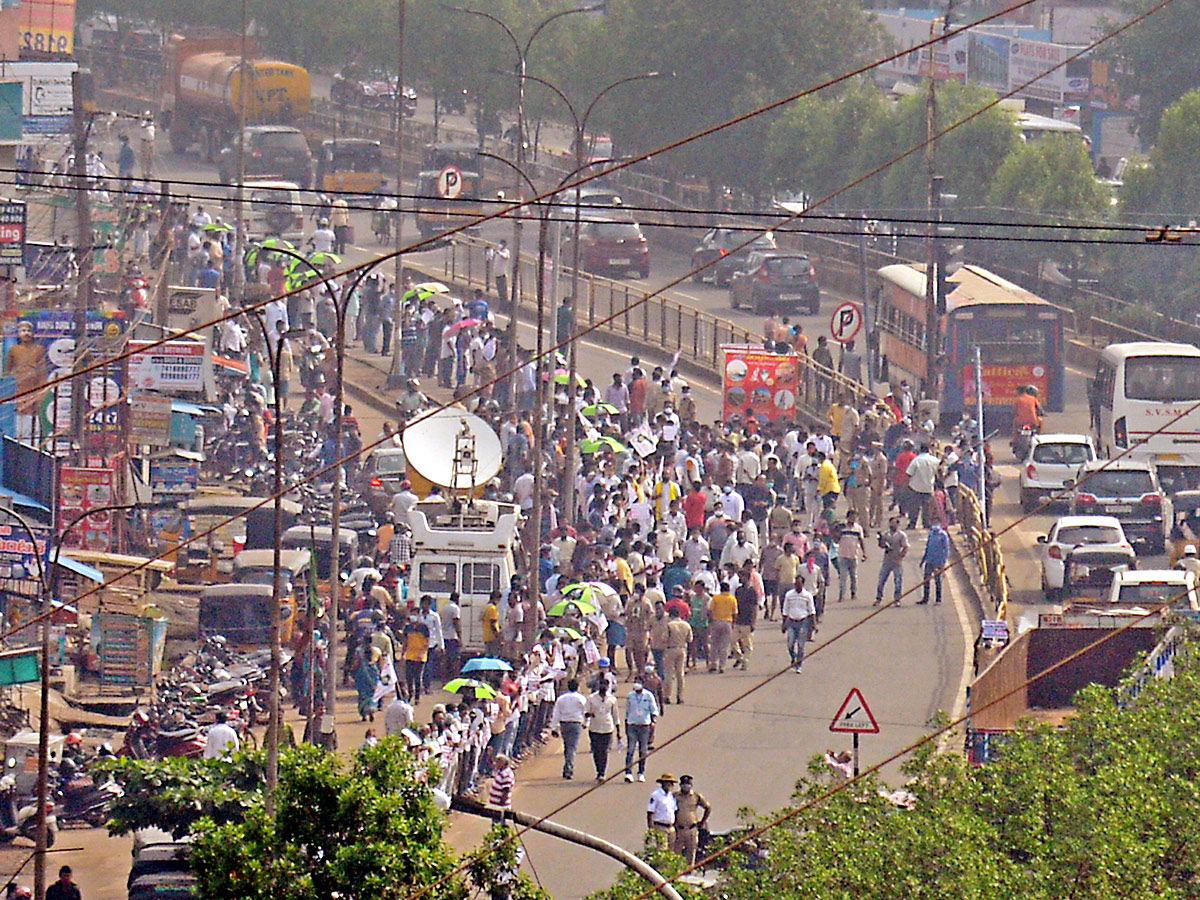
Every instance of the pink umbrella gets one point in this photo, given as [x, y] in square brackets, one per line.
[458, 326]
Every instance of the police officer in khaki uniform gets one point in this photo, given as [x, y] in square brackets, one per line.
[691, 814]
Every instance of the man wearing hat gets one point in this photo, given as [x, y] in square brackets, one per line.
[691, 815]
[660, 811]
[1189, 562]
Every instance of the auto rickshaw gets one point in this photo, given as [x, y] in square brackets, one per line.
[1185, 523]
[351, 165]
[319, 539]
[1088, 572]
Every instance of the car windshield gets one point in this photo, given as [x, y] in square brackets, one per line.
[1088, 534]
[279, 140]
[788, 265]
[1148, 592]
[1162, 379]
[625, 230]
[390, 464]
[1118, 483]
[1062, 454]
[270, 200]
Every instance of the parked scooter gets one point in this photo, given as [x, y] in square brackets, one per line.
[20, 819]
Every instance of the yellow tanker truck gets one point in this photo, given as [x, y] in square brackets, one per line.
[202, 89]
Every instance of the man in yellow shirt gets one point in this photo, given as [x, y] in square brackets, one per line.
[721, 610]
[828, 485]
[491, 625]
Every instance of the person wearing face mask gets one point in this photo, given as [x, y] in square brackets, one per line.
[601, 715]
[641, 709]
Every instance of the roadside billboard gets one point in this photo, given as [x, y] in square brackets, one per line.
[46, 98]
[759, 385]
[173, 366]
[48, 26]
[82, 489]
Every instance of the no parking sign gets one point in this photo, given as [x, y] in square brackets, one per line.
[846, 322]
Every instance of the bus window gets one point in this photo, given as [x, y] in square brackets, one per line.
[1006, 342]
[1162, 379]
[439, 577]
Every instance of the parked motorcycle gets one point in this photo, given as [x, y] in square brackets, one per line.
[18, 816]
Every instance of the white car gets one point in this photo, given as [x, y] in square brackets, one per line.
[1052, 461]
[1070, 532]
[1148, 587]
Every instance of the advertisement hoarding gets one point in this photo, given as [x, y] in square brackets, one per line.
[149, 420]
[48, 26]
[12, 233]
[173, 477]
[759, 385]
[173, 366]
[18, 557]
[83, 489]
[1000, 383]
[1029, 60]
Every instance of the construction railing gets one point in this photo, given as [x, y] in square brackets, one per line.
[983, 547]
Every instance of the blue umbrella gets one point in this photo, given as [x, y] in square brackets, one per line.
[485, 664]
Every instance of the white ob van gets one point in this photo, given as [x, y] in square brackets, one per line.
[468, 550]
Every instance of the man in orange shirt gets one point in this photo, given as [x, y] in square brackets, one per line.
[721, 610]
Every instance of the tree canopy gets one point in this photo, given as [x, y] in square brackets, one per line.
[366, 828]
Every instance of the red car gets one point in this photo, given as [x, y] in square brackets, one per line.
[612, 246]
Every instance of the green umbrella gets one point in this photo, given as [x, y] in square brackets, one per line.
[424, 291]
[595, 445]
[458, 685]
[560, 607]
[218, 226]
[597, 408]
[562, 376]
[562, 631]
[271, 243]
[323, 258]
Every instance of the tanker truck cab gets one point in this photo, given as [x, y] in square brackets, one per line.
[464, 547]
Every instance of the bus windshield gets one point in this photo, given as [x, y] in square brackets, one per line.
[1162, 379]
[1007, 342]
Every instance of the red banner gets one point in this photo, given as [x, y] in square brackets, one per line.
[82, 489]
[759, 385]
[1000, 383]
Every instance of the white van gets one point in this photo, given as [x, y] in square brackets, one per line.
[1149, 587]
[1146, 399]
[274, 209]
[469, 551]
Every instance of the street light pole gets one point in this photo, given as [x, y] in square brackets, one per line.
[522, 52]
[329, 725]
[580, 122]
[395, 376]
[273, 712]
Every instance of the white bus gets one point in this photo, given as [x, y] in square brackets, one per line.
[1146, 399]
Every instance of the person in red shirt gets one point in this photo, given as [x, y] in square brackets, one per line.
[901, 494]
[693, 506]
[637, 397]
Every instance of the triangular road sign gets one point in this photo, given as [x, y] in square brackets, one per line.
[854, 716]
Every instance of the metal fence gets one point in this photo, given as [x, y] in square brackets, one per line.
[985, 550]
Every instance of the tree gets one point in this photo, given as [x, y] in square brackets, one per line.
[1157, 60]
[817, 144]
[726, 58]
[367, 828]
[1051, 176]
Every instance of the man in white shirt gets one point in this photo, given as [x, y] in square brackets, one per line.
[922, 475]
[567, 717]
[200, 218]
[437, 644]
[222, 739]
[732, 502]
[660, 811]
[451, 615]
[323, 238]
[403, 503]
[799, 611]
[523, 490]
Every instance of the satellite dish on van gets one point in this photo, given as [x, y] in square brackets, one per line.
[429, 445]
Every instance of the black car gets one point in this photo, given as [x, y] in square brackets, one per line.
[776, 280]
[1128, 490]
[272, 151]
[718, 244]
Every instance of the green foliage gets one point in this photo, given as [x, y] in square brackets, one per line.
[175, 793]
[630, 885]
[1171, 184]
[494, 868]
[360, 829]
[1051, 175]
[1106, 807]
[1157, 59]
